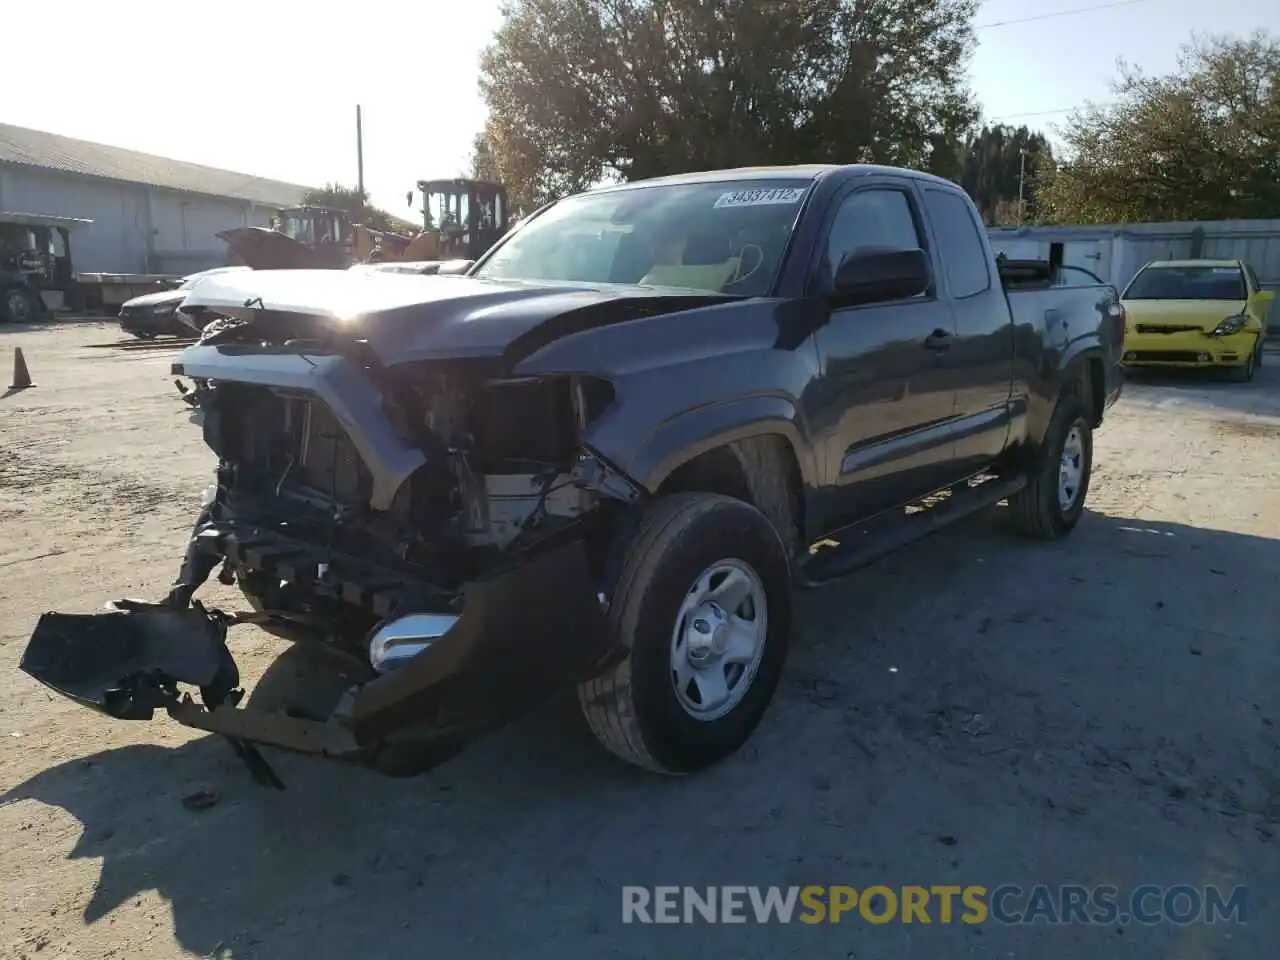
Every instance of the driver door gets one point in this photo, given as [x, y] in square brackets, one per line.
[886, 399]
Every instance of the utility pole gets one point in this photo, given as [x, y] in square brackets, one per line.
[1022, 172]
[359, 153]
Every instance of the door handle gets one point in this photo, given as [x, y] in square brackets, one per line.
[938, 340]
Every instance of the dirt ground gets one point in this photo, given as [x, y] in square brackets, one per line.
[975, 710]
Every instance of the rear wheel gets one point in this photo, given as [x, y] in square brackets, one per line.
[703, 608]
[1052, 502]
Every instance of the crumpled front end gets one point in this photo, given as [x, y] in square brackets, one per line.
[1207, 333]
[442, 532]
[512, 638]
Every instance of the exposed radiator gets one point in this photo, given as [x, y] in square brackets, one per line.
[326, 459]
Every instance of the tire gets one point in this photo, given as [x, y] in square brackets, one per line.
[19, 306]
[144, 335]
[634, 709]
[1037, 509]
[1245, 371]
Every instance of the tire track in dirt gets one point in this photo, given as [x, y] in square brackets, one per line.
[66, 484]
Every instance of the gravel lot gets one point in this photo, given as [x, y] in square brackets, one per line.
[974, 710]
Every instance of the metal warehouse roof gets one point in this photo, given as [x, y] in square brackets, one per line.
[50, 151]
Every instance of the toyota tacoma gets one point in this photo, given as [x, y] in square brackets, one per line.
[602, 458]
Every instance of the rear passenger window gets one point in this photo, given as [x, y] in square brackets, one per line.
[871, 220]
[960, 247]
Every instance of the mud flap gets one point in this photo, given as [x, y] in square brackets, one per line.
[127, 665]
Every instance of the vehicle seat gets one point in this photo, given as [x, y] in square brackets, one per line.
[707, 264]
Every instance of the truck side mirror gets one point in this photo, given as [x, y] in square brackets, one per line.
[877, 276]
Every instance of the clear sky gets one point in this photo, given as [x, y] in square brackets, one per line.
[269, 87]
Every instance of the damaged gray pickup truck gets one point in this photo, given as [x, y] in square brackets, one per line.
[603, 457]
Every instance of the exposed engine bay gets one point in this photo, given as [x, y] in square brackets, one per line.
[502, 469]
[499, 458]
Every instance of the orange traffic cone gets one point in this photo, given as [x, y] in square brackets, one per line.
[21, 376]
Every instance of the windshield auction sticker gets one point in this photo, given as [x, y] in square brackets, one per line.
[759, 198]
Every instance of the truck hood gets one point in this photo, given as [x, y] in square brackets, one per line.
[406, 318]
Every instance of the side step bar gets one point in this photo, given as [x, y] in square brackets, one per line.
[862, 544]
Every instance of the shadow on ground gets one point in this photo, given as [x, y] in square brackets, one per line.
[976, 709]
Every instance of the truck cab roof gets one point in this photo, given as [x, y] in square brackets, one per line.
[808, 171]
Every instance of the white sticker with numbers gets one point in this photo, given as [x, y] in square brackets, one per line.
[760, 198]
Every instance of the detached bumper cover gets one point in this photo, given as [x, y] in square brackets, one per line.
[520, 635]
[125, 665]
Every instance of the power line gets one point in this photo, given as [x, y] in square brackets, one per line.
[1060, 13]
[1044, 113]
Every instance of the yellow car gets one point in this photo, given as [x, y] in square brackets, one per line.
[1196, 313]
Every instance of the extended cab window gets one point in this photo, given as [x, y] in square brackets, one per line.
[877, 219]
[960, 247]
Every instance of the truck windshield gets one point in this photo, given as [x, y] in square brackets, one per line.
[725, 237]
[1187, 283]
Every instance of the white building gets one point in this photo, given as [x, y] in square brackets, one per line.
[150, 214]
[1116, 252]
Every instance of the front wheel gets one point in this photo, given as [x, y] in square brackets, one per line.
[703, 609]
[1245, 371]
[18, 305]
[1052, 502]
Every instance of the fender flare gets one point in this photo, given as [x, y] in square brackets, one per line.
[694, 432]
[1078, 352]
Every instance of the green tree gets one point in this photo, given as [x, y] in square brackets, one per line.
[1202, 143]
[357, 207]
[584, 91]
[994, 160]
[499, 165]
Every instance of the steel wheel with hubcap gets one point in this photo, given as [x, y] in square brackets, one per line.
[701, 611]
[718, 640]
[1070, 469]
[1051, 503]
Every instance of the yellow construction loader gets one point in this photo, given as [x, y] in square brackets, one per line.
[462, 218]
